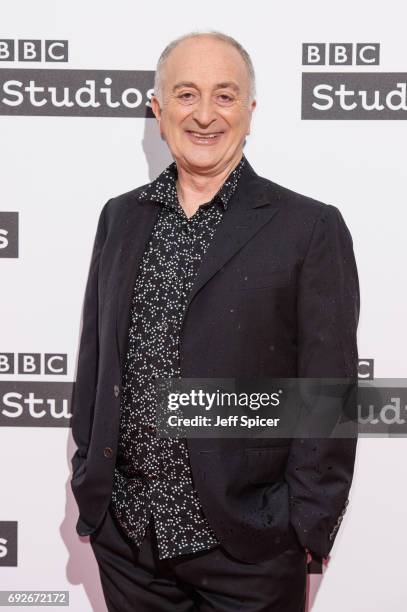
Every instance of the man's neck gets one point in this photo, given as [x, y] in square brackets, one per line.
[195, 189]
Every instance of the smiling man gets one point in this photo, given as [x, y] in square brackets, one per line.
[210, 271]
[204, 99]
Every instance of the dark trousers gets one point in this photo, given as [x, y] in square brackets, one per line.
[135, 580]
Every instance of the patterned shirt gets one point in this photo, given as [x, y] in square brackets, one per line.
[152, 474]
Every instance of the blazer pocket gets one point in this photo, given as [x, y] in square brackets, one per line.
[261, 279]
[266, 465]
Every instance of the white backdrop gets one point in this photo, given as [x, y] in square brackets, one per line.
[57, 172]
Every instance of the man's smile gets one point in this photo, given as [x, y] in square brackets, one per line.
[204, 138]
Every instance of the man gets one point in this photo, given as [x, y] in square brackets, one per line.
[209, 271]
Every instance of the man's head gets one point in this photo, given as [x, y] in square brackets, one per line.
[204, 85]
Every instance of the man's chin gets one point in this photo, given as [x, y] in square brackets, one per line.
[202, 160]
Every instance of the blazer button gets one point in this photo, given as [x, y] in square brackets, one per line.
[153, 476]
[107, 452]
[151, 427]
[116, 390]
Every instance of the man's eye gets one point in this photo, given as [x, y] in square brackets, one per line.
[225, 98]
[186, 96]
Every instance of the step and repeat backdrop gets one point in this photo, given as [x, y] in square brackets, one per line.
[76, 128]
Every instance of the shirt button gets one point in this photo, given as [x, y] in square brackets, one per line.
[116, 390]
[107, 452]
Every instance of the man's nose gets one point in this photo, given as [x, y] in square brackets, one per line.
[204, 112]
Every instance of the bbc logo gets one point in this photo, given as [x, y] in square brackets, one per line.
[33, 363]
[33, 50]
[366, 369]
[340, 54]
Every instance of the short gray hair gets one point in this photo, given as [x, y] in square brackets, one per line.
[218, 36]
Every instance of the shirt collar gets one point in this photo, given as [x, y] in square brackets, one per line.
[163, 189]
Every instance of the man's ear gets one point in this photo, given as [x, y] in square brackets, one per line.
[155, 106]
[252, 107]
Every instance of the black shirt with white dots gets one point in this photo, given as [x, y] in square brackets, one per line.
[152, 474]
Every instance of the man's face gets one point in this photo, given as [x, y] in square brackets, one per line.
[205, 112]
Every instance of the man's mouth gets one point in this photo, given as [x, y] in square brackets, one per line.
[204, 138]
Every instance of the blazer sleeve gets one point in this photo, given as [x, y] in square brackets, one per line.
[83, 397]
[319, 471]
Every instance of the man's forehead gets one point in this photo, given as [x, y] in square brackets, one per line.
[205, 56]
[219, 85]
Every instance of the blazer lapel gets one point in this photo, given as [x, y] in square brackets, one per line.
[250, 208]
[234, 231]
[139, 222]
